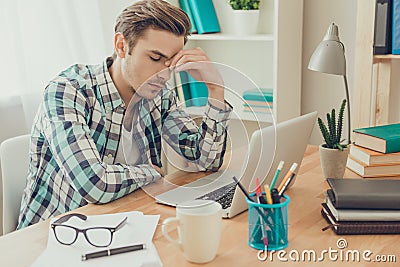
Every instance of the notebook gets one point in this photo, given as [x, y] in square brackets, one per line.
[361, 193]
[285, 141]
[359, 227]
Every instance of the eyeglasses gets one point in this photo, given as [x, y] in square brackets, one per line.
[98, 236]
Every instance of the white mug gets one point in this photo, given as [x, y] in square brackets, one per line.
[199, 225]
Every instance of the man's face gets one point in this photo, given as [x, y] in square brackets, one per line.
[144, 70]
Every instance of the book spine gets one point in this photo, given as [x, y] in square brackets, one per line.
[186, 7]
[204, 16]
[393, 145]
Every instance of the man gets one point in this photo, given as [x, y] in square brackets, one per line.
[76, 143]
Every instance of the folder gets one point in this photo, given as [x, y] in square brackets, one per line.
[204, 16]
[383, 27]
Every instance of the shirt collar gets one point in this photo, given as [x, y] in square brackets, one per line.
[109, 93]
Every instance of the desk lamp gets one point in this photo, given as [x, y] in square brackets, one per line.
[329, 58]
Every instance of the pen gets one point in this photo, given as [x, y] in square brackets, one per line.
[286, 184]
[278, 171]
[242, 188]
[292, 169]
[260, 199]
[113, 251]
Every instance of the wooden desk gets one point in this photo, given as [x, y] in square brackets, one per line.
[22, 247]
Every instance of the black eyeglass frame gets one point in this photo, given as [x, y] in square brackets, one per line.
[83, 217]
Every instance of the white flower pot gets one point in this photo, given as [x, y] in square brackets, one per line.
[333, 161]
[246, 21]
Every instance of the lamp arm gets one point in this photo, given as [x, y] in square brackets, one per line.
[348, 109]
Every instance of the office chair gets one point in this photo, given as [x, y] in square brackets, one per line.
[14, 157]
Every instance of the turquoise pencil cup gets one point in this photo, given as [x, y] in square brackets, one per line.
[268, 221]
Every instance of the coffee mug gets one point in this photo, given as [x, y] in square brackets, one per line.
[199, 225]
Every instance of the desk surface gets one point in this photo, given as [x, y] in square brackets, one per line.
[22, 247]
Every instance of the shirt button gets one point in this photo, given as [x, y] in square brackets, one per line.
[108, 108]
[123, 104]
[110, 156]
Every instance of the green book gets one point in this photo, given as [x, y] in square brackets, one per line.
[185, 7]
[384, 139]
[204, 16]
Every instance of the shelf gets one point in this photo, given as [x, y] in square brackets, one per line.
[238, 115]
[230, 37]
[378, 58]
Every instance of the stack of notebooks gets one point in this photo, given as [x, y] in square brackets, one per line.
[362, 206]
[376, 151]
[258, 100]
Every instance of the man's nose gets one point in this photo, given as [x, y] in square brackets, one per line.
[165, 74]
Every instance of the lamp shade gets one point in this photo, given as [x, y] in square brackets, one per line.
[329, 56]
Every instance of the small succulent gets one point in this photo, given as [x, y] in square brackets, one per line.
[245, 4]
[333, 131]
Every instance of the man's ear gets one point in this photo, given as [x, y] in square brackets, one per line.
[120, 45]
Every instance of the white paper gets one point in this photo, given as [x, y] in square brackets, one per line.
[139, 229]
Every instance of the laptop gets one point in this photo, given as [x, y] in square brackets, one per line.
[285, 141]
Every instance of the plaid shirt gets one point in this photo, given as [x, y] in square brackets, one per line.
[76, 134]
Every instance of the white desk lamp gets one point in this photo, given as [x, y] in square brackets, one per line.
[329, 58]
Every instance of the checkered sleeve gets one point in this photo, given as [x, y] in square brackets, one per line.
[66, 129]
[205, 145]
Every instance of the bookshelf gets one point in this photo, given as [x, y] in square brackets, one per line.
[372, 73]
[271, 59]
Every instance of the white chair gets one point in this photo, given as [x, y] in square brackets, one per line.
[14, 156]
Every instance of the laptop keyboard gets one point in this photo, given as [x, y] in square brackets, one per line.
[222, 195]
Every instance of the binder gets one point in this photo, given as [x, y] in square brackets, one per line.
[204, 16]
[198, 92]
[383, 27]
[185, 7]
[185, 84]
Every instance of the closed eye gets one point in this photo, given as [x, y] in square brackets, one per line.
[155, 58]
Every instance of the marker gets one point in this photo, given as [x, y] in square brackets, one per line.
[275, 196]
[261, 198]
[292, 169]
[277, 172]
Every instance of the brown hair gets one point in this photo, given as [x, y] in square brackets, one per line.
[157, 14]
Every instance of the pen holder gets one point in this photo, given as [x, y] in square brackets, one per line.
[270, 221]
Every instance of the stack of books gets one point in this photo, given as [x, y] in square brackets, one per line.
[376, 151]
[202, 15]
[259, 100]
[362, 206]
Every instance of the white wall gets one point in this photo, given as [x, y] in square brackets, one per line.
[322, 92]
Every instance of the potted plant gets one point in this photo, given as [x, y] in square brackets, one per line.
[333, 152]
[246, 14]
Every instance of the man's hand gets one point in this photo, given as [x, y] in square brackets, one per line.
[198, 65]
